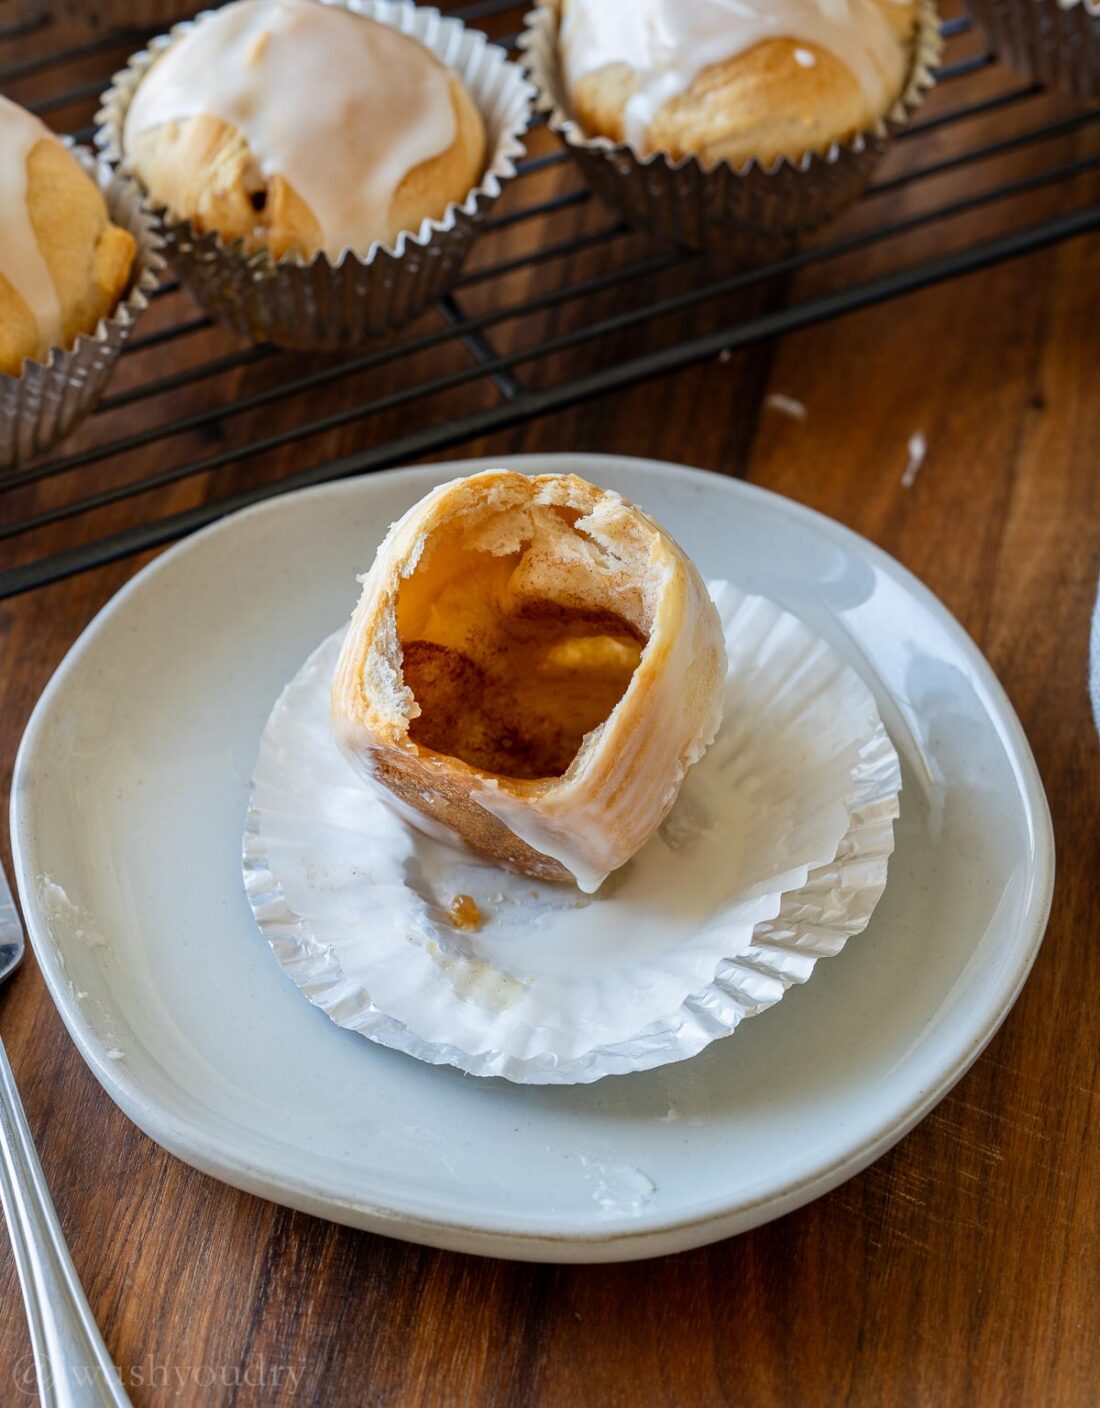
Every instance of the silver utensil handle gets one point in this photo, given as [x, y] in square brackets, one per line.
[72, 1368]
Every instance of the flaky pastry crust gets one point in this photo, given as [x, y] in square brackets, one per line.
[761, 104]
[533, 666]
[89, 259]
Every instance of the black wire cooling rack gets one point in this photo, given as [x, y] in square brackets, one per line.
[560, 303]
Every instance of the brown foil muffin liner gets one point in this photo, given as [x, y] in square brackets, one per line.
[1049, 41]
[745, 213]
[320, 303]
[113, 15]
[44, 403]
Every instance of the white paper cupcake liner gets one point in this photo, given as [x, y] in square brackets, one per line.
[1056, 42]
[49, 399]
[774, 855]
[328, 304]
[745, 213]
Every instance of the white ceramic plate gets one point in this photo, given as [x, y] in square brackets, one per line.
[129, 800]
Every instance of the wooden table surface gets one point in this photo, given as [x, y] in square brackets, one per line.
[962, 1267]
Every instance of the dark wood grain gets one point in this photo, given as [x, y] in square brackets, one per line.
[962, 1267]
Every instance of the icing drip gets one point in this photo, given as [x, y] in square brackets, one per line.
[21, 261]
[669, 42]
[375, 105]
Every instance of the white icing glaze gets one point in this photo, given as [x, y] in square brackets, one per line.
[21, 261]
[669, 42]
[578, 847]
[374, 105]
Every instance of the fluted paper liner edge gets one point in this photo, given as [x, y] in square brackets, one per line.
[1056, 42]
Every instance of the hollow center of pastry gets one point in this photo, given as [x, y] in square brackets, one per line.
[511, 664]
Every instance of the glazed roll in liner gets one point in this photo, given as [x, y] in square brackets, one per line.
[280, 270]
[532, 668]
[736, 181]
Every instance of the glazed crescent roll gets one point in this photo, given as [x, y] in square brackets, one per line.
[63, 264]
[300, 127]
[533, 666]
[730, 80]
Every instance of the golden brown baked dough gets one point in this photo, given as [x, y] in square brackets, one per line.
[203, 168]
[89, 260]
[782, 96]
[533, 665]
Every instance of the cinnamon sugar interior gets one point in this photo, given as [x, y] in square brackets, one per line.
[513, 656]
